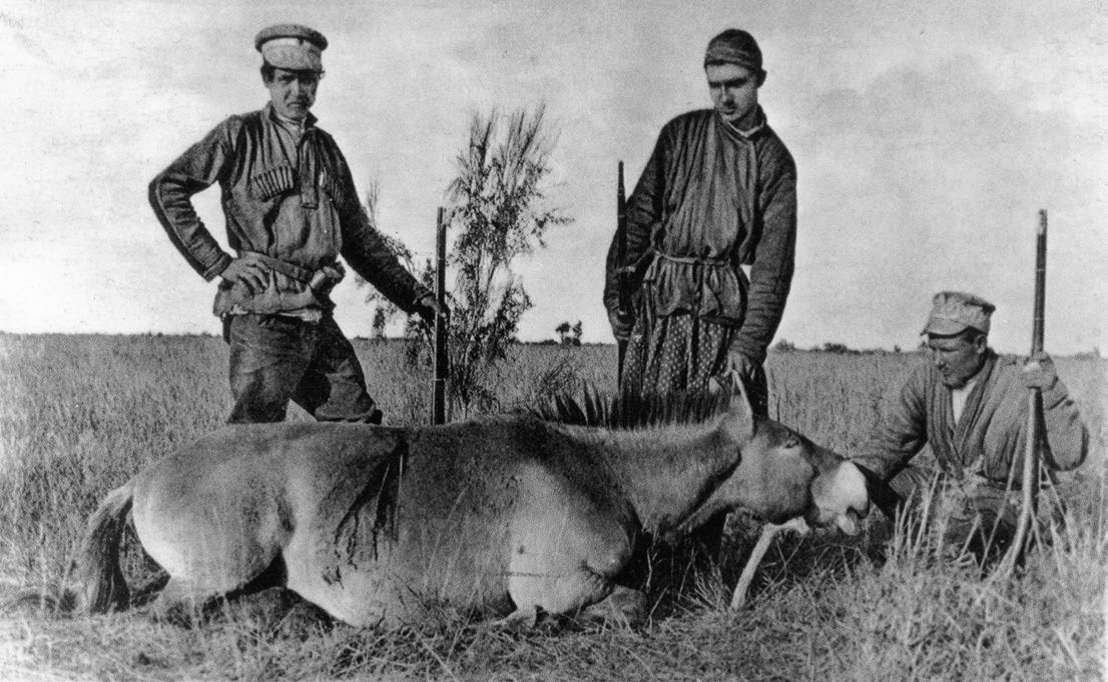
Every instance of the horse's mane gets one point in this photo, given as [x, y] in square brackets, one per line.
[627, 411]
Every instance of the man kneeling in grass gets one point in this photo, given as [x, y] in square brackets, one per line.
[971, 407]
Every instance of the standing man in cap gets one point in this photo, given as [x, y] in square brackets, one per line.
[971, 406]
[718, 192]
[291, 211]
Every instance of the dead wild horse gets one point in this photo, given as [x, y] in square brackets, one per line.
[373, 524]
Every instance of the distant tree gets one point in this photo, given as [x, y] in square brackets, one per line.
[839, 348]
[562, 330]
[784, 346]
[380, 319]
[569, 336]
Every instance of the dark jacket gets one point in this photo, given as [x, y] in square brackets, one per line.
[295, 203]
[712, 198]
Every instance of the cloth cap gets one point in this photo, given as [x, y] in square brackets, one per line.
[734, 46]
[292, 47]
[954, 311]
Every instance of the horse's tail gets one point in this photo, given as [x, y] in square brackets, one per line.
[97, 571]
[52, 598]
[96, 567]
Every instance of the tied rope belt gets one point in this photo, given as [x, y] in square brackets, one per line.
[694, 260]
[698, 273]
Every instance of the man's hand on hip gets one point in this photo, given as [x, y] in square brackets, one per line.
[250, 274]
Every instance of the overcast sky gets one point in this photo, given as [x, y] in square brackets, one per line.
[927, 136]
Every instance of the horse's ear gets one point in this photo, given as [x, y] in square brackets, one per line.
[740, 416]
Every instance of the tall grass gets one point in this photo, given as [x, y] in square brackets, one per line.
[80, 414]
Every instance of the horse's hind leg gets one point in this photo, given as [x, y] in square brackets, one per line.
[209, 550]
[180, 603]
[183, 601]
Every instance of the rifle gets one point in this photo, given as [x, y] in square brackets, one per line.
[623, 277]
[1036, 432]
[442, 369]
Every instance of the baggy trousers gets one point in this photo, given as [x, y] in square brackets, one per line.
[682, 353]
[277, 358]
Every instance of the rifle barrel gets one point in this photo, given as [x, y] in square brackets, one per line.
[1036, 431]
[621, 249]
[621, 264]
[1037, 326]
[438, 397]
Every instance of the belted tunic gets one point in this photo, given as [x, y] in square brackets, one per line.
[710, 199]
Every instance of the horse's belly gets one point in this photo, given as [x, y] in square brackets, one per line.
[372, 576]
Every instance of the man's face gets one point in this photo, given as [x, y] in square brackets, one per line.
[293, 92]
[957, 358]
[734, 90]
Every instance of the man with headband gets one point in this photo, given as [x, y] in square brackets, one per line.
[291, 210]
[718, 192]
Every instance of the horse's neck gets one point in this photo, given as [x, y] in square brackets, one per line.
[667, 473]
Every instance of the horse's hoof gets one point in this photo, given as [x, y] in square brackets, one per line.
[624, 607]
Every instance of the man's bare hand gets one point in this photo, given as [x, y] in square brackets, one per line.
[428, 309]
[621, 324]
[1039, 372]
[250, 274]
[741, 365]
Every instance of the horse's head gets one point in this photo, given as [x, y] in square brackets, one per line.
[835, 488]
[783, 475]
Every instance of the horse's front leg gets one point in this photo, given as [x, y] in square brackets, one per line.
[564, 565]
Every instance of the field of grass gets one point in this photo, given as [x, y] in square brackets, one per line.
[80, 414]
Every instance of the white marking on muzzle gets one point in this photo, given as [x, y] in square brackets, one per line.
[842, 498]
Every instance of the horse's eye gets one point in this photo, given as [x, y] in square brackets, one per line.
[792, 441]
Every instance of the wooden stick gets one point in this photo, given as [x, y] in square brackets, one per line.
[769, 532]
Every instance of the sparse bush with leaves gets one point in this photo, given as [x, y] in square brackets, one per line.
[497, 214]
